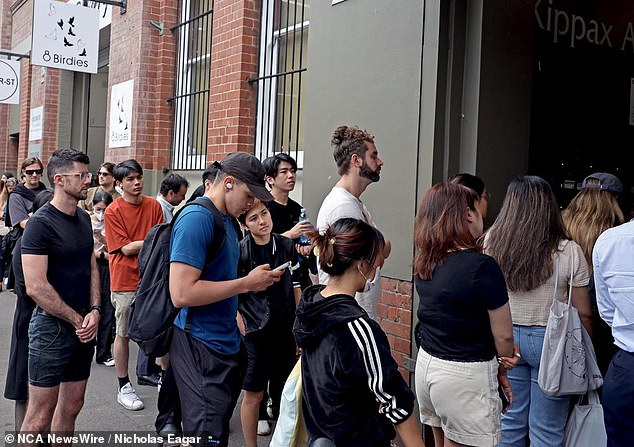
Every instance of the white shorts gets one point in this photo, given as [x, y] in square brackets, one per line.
[460, 397]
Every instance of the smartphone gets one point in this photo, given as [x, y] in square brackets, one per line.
[286, 265]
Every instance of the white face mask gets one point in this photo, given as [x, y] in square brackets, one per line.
[99, 215]
[119, 190]
[369, 285]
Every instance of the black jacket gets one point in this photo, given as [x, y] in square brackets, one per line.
[352, 392]
[25, 192]
[254, 306]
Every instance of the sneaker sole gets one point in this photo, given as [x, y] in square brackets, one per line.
[129, 407]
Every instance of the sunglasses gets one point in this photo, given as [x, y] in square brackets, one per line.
[34, 171]
[104, 174]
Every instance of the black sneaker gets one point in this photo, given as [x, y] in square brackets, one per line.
[151, 380]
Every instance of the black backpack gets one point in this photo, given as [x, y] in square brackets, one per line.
[152, 312]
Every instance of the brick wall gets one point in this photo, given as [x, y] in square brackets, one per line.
[232, 101]
[5, 43]
[394, 313]
[138, 52]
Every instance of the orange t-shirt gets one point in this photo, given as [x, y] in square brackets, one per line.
[127, 223]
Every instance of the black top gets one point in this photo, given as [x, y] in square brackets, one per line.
[276, 304]
[454, 305]
[68, 243]
[352, 391]
[284, 216]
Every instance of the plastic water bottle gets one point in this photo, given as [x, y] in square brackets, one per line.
[303, 240]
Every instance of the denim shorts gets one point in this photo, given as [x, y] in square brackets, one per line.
[55, 353]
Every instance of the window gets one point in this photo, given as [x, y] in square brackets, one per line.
[191, 101]
[283, 51]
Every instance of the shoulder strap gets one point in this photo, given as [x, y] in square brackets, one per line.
[216, 244]
[219, 226]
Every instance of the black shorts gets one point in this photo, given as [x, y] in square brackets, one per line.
[55, 353]
[207, 383]
[270, 356]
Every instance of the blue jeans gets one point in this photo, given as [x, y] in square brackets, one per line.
[618, 400]
[534, 414]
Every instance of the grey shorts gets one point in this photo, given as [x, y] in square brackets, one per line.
[55, 353]
[121, 302]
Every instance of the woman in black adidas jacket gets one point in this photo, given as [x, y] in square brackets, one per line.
[353, 394]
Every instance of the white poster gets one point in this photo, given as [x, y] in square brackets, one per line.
[120, 114]
[35, 123]
[9, 82]
[65, 36]
[632, 102]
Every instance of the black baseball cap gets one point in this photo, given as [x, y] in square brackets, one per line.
[248, 169]
[603, 181]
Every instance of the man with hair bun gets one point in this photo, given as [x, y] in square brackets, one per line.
[359, 165]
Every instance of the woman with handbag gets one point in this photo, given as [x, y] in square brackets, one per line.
[530, 243]
[465, 330]
[592, 211]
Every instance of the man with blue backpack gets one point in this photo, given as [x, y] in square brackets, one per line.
[206, 341]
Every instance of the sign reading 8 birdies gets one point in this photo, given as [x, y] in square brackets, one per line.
[65, 36]
[9, 82]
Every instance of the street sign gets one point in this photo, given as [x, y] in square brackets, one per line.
[65, 36]
[9, 82]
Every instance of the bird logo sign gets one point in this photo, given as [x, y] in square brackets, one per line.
[65, 36]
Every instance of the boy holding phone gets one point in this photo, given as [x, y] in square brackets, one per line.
[266, 318]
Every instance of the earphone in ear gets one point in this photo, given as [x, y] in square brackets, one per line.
[229, 185]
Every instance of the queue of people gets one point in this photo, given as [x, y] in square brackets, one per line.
[249, 310]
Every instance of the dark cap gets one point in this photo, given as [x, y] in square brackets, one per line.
[248, 169]
[603, 181]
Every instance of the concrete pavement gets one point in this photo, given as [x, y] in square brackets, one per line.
[101, 411]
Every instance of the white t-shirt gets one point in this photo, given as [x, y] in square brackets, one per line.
[338, 204]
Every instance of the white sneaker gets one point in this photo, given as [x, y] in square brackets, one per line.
[128, 398]
[109, 362]
[264, 428]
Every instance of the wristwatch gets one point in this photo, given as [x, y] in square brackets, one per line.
[97, 308]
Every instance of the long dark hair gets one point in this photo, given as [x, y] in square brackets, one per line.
[526, 233]
[441, 226]
[345, 242]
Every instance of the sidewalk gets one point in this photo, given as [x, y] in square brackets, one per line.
[101, 411]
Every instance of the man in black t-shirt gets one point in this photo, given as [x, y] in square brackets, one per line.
[60, 274]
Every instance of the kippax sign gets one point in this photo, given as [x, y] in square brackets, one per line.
[9, 82]
[65, 36]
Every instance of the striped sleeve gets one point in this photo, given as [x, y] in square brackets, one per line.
[385, 382]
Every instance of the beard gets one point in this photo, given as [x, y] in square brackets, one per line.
[80, 195]
[373, 175]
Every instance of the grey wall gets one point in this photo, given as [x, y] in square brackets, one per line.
[364, 67]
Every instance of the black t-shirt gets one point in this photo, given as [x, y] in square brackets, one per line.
[284, 216]
[454, 305]
[67, 241]
[263, 254]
